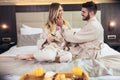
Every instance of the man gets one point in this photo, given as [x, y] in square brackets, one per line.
[88, 42]
[90, 37]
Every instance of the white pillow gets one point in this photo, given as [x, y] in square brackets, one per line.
[26, 26]
[76, 29]
[26, 30]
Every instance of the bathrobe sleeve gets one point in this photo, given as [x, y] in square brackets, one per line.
[86, 34]
[42, 39]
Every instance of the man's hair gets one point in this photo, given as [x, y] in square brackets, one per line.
[91, 6]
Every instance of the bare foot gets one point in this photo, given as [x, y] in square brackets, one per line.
[24, 57]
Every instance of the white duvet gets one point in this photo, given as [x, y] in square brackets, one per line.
[106, 64]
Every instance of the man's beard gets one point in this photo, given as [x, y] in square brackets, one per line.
[87, 18]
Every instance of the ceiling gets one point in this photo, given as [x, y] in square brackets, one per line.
[43, 2]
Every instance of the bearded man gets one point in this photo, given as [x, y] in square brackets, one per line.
[90, 38]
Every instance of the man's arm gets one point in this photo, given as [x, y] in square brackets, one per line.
[80, 36]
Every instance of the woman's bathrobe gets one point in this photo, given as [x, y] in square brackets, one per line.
[53, 51]
[88, 43]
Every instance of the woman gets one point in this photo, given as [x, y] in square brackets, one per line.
[51, 45]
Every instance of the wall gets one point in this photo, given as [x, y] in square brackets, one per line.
[111, 12]
[43, 2]
[7, 16]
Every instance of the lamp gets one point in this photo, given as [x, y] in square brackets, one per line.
[112, 25]
[5, 32]
[4, 26]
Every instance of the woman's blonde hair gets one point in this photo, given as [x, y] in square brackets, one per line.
[53, 13]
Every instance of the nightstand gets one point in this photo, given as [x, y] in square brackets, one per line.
[114, 45]
[4, 47]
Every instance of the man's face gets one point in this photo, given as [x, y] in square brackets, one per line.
[85, 14]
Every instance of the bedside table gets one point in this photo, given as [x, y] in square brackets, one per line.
[114, 45]
[4, 47]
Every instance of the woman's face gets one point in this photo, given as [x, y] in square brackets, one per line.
[60, 12]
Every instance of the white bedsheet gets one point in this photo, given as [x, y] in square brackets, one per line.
[32, 49]
[19, 67]
[19, 50]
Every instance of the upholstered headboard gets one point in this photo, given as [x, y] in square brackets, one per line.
[38, 19]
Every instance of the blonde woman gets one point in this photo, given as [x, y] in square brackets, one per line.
[51, 45]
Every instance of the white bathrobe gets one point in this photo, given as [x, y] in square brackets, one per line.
[90, 47]
[49, 51]
[89, 39]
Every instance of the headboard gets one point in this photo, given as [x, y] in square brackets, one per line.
[38, 19]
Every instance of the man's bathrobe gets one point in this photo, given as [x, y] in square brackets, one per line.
[88, 43]
[89, 39]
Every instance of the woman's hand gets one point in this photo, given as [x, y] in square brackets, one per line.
[57, 39]
[53, 38]
[50, 39]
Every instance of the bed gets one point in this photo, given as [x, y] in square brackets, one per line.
[13, 69]
[29, 29]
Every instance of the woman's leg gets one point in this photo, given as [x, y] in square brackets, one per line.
[24, 56]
